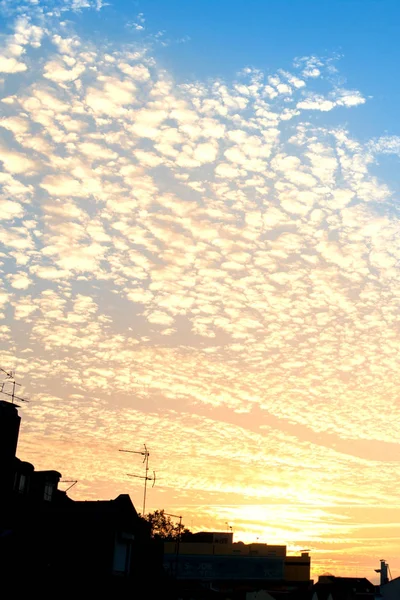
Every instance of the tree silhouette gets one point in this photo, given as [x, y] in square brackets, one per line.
[162, 526]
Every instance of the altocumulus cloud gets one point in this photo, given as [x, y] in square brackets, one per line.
[174, 251]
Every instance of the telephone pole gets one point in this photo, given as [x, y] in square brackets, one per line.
[177, 544]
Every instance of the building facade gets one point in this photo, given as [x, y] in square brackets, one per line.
[212, 561]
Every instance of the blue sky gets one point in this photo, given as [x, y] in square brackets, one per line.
[199, 249]
[224, 36]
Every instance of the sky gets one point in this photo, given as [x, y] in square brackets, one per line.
[199, 246]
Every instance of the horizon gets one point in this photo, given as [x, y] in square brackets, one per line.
[199, 251]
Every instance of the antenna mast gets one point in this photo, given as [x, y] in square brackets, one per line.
[145, 453]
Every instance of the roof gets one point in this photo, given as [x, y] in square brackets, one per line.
[343, 587]
[122, 502]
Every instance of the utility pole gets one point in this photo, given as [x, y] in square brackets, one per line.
[178, 542]
[145, 453]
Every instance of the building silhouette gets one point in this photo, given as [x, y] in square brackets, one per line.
[47, 538]
[104, 547]
[330, 587]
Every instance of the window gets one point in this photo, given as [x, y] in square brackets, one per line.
[48, 491]
[121, 557]
[22, 484]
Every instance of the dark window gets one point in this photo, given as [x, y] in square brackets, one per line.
[22, 484]
[48, 491]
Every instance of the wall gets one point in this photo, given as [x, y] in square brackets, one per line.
[298, 568]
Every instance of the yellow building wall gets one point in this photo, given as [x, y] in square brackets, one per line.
[201, 548]
[254, 550]
[190, 548]
[298, 568]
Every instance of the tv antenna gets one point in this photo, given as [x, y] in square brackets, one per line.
[145, 453]
[71, 481]
[10, 380]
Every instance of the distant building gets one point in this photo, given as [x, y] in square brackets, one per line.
[388, 589]
[211, 561]
[330, 587]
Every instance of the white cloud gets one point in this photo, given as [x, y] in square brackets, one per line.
[111, 98]
[311, 72]
[206, 152]
[56, 71]
[339, 97]
[386, 145]
[138, 72]
[95, 151]
[20, 281]
[14, 162]
[66, 45]
[349, 98]
[226, 170]
[11, 65]
[316, 103]
[10, 209]
[62, 185]
[17, 125]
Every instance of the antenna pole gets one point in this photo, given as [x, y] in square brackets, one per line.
[146, 477]
[146, 458]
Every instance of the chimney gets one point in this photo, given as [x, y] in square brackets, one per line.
[9, 431]
[383, 572]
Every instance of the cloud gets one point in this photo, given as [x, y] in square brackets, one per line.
[20, 281]
[111, 98]
[339, 97]
[311, 66]
[138, 24]
[10, 209]
[14, 162]
[137, 72]
[56, 71]
[63, 185]
[386, 145]
[206, 267]
[11, 65]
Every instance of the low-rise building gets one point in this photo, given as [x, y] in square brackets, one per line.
[212, 561]
[329, 587]
[390, 590]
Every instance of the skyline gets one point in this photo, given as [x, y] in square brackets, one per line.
[199, 253]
